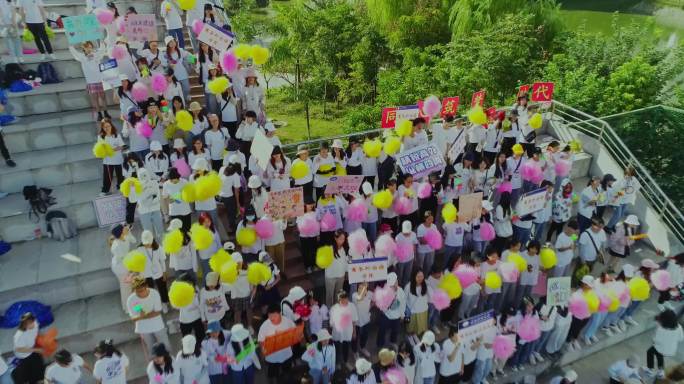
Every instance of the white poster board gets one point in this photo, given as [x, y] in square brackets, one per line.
[477, 326]
[216, 37]
[110, 210]
[421, 161]
[110, 74]
[366, 270]
[261, 149]
[531, 202]
[558, 291]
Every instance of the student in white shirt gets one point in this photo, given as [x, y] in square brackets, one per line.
[278, 171]
[427, 357]
[626, 191]
[253, 96]
[30, 368]
[390, 319]
[9, 19]
[230, 192]
[410, 241]
[417, 137]
[502, 220]
[170, 12]
[111, 366]
[66, 369]
[530, 276]
[190, 316]
[215, 347]
[586, 208]
[145, 309]
[306, 182]
[111, 165]
[321, 356]
[213, 303]
[426, 255]
[408, 190]
[334, 274]
[514, 166]
[343, 334]
[157, 161]
[191, 362]
[592, 242]
[363, 373]
[243, 350]
[246, 131]
[155, 266]
[162, 368]
[278, 362]
[668, 335]
[362, 301]
[451, 364]
[90, 60]
[323, 168]
[228, 106]
[198, 149]
[33, 14]
[417, 300]
[625, 371]
[565, 249]
[173, 59]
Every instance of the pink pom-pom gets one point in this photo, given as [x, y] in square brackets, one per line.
[385, 246]
[341, 318]
[104, 16]
[357, 210]
[621, 291]
[529, 328]
[404, 252]
[503, 346]
[466, 274]
[604, 301]
[563, 167]
[440, 299]
[264, 228]
[395, 376]
[308, 226]
[182, 167]
[661, 280]
[120, 25]
[229, 62]
[531, 171]
[432, 106]
[433, 238]
[197, 27]
[358, 242]
[424, 190]
[119, 52]
[328, 222]
[159, 83]
[383, 297]
[143, 128]
[158, 378]
[509, 272]
[402, 205]
[487, 232]
[140, 91]
[506, 186]
[578, 306]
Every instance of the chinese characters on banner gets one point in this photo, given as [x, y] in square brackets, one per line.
[394, 115]
[478, 99]
[110, 210]
[523, 90]
[558, 291]
[469, 207]
[421, 161]
[344, 184]
[282, 340]
[140, 28]
[82, 28]
[531, 202]
[491, 112]
[481, 325]
[542, 91]
[286, 204]
[449, 106]
[367, 270]
[216, 37]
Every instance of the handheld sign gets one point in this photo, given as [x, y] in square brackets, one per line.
[82, 28]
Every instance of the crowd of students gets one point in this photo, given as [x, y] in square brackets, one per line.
[220, 328]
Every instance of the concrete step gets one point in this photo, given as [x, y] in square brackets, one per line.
[35, 270]
[69, 95]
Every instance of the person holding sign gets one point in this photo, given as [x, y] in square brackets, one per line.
[278, 361]
[90, 59]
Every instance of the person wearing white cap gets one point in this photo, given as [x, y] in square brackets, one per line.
[427, 354]
[231, 186]
[259, 195]
[577, 325]
[363, 373]
[234, 156]
[306, 181]
[157, 161]
[192, 362]
[370, 225]
[179, 152]
[454, 233]
[213, 303]
[124, 97]
[111, 165]
[323, 168]
[569, 377]
[174, 58]
[295, 297]
[320, 356]
[172, 194]
[408, 241]
[215, 138]
[254, 98]
[340, 157]
[201, 168]
[390, 319]
[241, 292]
[242, 355]
[155, 266]
[269, 130]
[621, 240]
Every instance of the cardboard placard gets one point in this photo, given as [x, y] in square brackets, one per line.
[282, 340]
[542, 91]
[367, 270]
[477, 326]
[344, 184]
[558, 291]
[110, 74]
[140, 28]
[286, 204]
[421, 161]
[216, 37]
[531, 202]
[261, 149]
[469, 207]
[449, 106]
[79, 29]
[110, 210]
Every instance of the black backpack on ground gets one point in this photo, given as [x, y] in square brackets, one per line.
[39, 199]
[13, 72]
[59, 226]
[47, 74]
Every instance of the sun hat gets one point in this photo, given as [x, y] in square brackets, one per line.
[178, 143]
[362, 366]
[189, 343]
[428, 338]
[200, 164]
[386, 356]
[406, 227]
[301, 148]
[238, 333]
[632, 220]
[323, 335]
[147, 238]
[254, 182]
[155, 146]
[195, 106]
[212, 278]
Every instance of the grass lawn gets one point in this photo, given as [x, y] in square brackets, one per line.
[322, 125]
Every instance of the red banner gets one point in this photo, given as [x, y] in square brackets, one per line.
[542, 91]
[491, 113]
[389, 117]
[449, 106]
[478, 99]
[523, 90]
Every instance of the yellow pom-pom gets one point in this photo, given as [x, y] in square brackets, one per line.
[188, 193]
[592, 301]
[181, 294]
[186, 5]
[102, 149]
[477, 116]
[404, 128]
[547, 258]
[207, 186]
[218, 85]
[383, 199]
[258, 273]
[135, 261]
[340, 170]
[535, 121]
[246, 236]
[324, 256]
[128, 184]
[326, 167]
[449, 213]
[493, 280]
[173, 241]
[575, 146]
[243, 51]
[229, 272]
[299, 169]
[639, 290]
[201, 236]
[518, 149]
[392, 145]
[518, 260]
[218, 259]
[451, 286]
[614, 301]
[372, 148]
[259, 54]
[184, 120]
